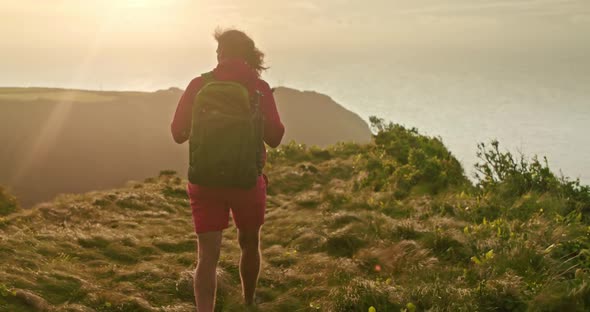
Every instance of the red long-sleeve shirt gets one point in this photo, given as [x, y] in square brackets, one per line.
[238, 71]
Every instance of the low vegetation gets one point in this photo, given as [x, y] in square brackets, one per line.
[394, 225]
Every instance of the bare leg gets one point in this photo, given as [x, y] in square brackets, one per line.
[249, 262]
[205, 281]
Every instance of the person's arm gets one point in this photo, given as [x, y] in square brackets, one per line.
[181, 124]
[273, 127]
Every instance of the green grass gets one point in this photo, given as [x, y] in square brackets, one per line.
[394, 225]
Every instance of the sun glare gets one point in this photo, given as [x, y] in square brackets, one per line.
[140, 3]
[143, 3]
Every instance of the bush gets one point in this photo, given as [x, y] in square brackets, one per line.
[506, 178]
[502, 171]
[8, 203]
[401, 160]
[577, 194]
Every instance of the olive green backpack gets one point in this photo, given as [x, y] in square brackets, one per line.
[226, 135]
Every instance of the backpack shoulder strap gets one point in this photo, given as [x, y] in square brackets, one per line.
[207, 78]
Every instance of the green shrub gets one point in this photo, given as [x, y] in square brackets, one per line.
[578, 195]
[8, 203]
[401, 160]
[502, 171]
[505, 178]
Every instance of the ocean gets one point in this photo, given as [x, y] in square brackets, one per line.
[533, 110]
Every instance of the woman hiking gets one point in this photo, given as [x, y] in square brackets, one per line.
[227, 115]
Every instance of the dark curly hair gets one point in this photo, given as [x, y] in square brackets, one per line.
[235, 43]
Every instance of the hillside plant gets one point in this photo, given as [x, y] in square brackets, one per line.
[503, 176]
[402, 160]
[8, 203]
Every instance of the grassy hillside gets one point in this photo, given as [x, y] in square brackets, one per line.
[393, 225]
[75, 141]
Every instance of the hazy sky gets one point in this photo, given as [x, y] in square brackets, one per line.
[90, 43]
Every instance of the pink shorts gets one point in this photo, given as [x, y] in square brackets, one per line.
[211, 206]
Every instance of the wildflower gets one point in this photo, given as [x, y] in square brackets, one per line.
[475, 260]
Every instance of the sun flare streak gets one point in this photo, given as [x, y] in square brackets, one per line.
[54, 124]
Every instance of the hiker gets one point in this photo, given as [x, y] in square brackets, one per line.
[227, 115]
